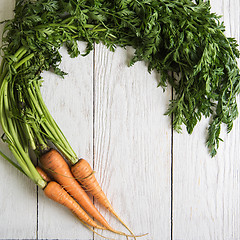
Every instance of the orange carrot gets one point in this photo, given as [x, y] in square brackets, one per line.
[43, 174]
[57, 167]
[55, 192]
[83, 172]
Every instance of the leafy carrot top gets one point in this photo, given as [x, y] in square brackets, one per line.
[182, 40]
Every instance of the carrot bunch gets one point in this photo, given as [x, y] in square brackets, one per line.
[27, 124]
[70, 187]
[31, 42]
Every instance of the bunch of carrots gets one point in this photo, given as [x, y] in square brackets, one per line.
[28, 125]
[27, 122]
[158, 30]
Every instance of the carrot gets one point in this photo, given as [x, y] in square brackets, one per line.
[43, 174]
[83, 172]
[57, 167]
[54, 191]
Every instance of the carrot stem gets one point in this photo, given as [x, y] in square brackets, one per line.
[12, 162]
[46, 124]
[2, 66]
[21, 162]
[24, 60]
[72, 157]
[10, 128]
[30, 134]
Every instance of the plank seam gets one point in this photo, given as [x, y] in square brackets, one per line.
[37, 214]
[171, 171]
[93, 142]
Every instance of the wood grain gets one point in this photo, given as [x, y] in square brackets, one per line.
[70, 102]
[132, 142]
[206, 191]
[18, 198]
[159, 182]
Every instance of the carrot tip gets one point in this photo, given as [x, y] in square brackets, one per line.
[96, 231]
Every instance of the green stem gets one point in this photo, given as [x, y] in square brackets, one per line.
[10, 140]
[12, 162]
[58, 131]
[42, 145]
[3, 74]
[49, 125]
[18, 55]
[61, 25]
[24, 60]
[14, 133]
[19, 52]
[48, 128]
[3, 117]
[21, 162]
[2, 66]
[37, 108]
[72, 28]
[30, 135]
[28, 131]
[13, 106]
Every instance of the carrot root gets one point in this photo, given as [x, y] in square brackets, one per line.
[54, 191]
[60, 171]
[43, 174]
[84, 173]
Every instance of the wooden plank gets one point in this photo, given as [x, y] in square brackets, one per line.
[206, 190]
[70, 102]
[18, 215]
[132, 143]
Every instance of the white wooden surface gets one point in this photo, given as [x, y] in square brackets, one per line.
[158, 181]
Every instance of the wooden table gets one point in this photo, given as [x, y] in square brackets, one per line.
[158, 181]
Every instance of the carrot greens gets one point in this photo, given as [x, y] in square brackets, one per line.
[183, 37]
